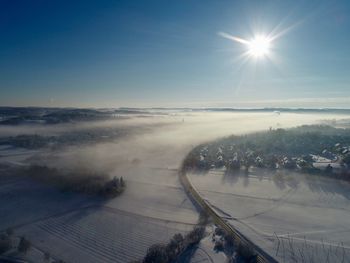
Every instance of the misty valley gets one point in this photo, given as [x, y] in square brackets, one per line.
[179, 185]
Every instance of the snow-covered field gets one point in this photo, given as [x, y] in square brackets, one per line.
[80, 228]
[14, 155]
[286, 213]
[101, 235]
[77, 228]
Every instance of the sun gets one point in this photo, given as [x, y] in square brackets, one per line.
[259, 46]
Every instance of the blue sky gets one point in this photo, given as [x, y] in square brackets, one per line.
[170, 53]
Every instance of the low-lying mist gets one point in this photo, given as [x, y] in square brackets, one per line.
[165, 145]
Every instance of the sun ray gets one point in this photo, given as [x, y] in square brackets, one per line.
[237, 39]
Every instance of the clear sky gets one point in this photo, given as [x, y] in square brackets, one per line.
[172, 54]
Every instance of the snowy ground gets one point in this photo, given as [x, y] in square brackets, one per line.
[101, 235]
[289, 215]
[75, 228]
[204, 252]
[14, 155]
[79, 228]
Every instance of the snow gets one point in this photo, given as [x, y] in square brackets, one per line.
[204, 251]
[15, 155]
[23, 201]
[101, 235]
[305, 209]
[77, 228]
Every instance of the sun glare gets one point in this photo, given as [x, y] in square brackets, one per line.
[259, 46]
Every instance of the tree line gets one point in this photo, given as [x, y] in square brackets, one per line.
[81, 181]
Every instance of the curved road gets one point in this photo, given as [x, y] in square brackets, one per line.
[262, 256]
